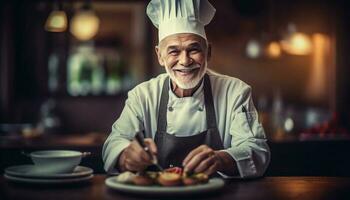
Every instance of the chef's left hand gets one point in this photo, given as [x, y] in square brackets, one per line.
[203, 159]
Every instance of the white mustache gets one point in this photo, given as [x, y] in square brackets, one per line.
[195, 66]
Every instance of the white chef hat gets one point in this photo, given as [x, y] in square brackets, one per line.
[180, 16]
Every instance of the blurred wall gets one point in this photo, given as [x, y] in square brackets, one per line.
[24, 58]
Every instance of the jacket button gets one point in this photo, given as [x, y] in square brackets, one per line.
[171, 109]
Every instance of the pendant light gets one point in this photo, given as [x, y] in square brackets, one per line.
[57, 20]
[253, 48]
[273, 50]
[296, 43]
[272, 47]
[85, 23]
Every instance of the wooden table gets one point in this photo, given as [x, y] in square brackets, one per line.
[268, 188]
[290, 156]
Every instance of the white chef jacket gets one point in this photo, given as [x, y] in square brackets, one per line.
[242, 135]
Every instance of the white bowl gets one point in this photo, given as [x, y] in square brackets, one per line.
[56, 161]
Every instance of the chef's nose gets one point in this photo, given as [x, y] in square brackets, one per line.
[185, 59]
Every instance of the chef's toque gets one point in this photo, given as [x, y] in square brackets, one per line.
[180, 16]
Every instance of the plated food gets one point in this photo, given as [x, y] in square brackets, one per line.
[169, 177]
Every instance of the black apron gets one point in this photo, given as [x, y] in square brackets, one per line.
[172, 150]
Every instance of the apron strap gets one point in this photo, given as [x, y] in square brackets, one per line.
[209, 104]
[163, 107]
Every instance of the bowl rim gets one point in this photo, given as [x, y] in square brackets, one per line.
[42, 154]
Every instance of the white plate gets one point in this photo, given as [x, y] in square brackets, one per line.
[212, 185]
[47, 181]
[30, 171]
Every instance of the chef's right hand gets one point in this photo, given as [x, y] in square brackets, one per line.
[135, 158]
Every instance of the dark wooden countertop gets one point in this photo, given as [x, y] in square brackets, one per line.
[315, 188]
[16, 141]
[12, 146]
[289, 156]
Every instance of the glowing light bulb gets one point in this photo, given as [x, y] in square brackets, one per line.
[56, 22]
[273, 50]
[85, 25]
[297, 44]
[288, 124]
[253, 49]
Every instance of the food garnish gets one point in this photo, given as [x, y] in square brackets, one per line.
[125, 177]
[169, 179]
[174, 176]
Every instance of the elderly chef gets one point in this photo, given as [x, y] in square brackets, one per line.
[190, 116]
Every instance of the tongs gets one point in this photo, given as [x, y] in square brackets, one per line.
[140, 139]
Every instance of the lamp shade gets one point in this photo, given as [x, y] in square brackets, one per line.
[56, 22]
[84, 25]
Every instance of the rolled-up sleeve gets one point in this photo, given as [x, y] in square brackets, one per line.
[123, 131]
[249, 144]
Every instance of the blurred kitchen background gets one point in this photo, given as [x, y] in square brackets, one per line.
[66, 67]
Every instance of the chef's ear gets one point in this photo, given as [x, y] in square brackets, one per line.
[160, 60]
[209, 52]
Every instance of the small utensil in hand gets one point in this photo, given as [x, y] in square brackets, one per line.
[139, 138]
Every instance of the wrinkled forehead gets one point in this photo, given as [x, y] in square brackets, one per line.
[182, 40]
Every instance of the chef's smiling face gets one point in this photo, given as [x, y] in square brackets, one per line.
[184, 57]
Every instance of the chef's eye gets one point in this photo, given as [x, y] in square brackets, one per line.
[195, 50]
[173, 52]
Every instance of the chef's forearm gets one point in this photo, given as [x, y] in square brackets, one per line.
[228, 165]
[112, 149]
[120, 162]
[251, 157]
